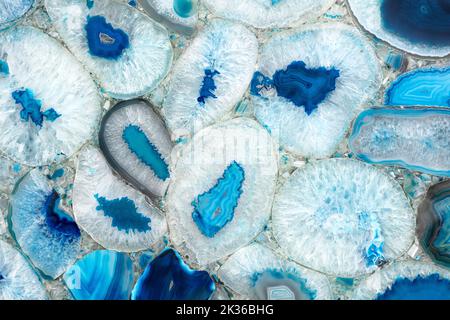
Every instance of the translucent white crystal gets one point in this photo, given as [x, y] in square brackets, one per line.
[33, 57]
[330, 214]
[201, 164]
[11, 10]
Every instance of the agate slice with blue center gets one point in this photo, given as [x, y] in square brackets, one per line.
[43, 121]
[12, 10]
[255, 272]
[137, 144]
[127, 52]
[420, 27]
[167, 277]
[178, 15]
[342, 217]
[221, 190]
[310, 84]
[433, 223]
[114, 214]
[406, 280]
[210, 77]
[46, 233]
[421, 87]
[269, 13]
[18, 281]
[101, 275]
[414, 138]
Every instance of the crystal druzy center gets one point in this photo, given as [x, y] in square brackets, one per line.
[57, 219]
[104, 40]
[208, 86]
[421, 21]
[215, 208]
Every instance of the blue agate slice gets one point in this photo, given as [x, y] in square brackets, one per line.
[101, 275]
[12, 10]
[419, 27]
[167, 277]
[137, 145]
[414, 138]
[433, 223]
[18, 281]
[47, 235]
[421, 87]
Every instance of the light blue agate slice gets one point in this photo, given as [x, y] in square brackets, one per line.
[18, 281]
[414, 138]
[12, 10]
[256, 272]
[342, 217]
[127, 52]
[421, 87]
[45, 232]
[43, 121]
[101, 275]
[167, 277]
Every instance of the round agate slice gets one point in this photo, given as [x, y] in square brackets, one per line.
[420, 27]
[45, 232]
[221, 190]
[12, 10]
[115, 215]
[256, 273]
[269, 13]
[17, 279]
[128, 52]
[43, 121]
[406, 281]
[137, 144]
[210, 77]
[178, 15]
[342, 217]
[310, 85]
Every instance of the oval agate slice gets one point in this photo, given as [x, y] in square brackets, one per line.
[421, 87]
[101, 275]
[178, 15]
[137, 144]
[420, 27]
[111, 212]
[45, 232]
[221, 190]
[342, 217]
[210, 77]
[256, 273]
[310, 85]
[167, 277]
[414, 138]
[406, 281]
[433, 223]
[269, 13]
[43, 121]
[17, 279]
[128, 52]
[12, 10]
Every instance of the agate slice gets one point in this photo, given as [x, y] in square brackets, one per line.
[210, 77]
[414, 138]
[178, 15]
[310, 84]
[269, 13]
[12, 10]
[256, 273]
[433, 223]
[127, 52]
[43, 121]
[221, 190]
[101, 275]
[17, 279]
[137, 145]
[406, 280]
[46, 233]
[421, 87]
[342, 217]
[115, 215]
[167, 277]
[420, 27]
